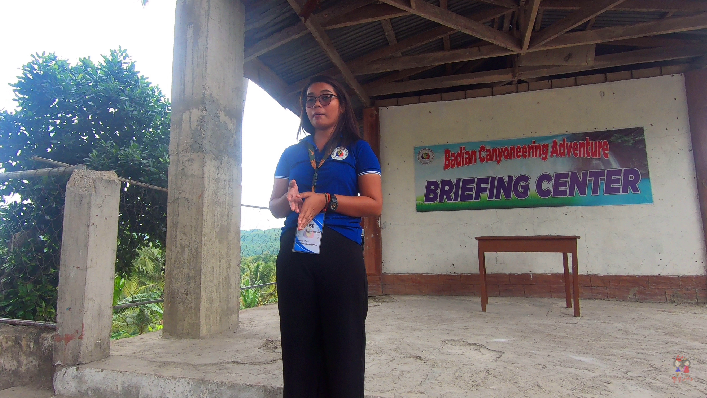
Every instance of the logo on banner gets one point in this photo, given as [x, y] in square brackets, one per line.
[340, 153]
[425, 156]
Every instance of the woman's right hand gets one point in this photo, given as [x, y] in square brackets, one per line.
[293, 197]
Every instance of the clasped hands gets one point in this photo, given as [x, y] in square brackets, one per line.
[306, 209]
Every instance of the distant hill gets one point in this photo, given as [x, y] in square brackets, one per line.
[255, 242]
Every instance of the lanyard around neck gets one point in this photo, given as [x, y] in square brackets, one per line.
[313, 162]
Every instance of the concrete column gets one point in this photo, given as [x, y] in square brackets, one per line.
[87, 268]
[696, 89]
[202, 274]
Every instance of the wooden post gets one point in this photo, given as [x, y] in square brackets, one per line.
[696, 89]
[372, 246]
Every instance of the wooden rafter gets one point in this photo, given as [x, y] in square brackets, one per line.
[389, 32]
[659, 27]
[341, 8]
[264, 77]
[577, 18]
[446, 42]
[502, 75]
[538, 20]
[400, 75]
[432, 59]
[326, 44]
[575, 39]
[406, 44]
[660, 41]
[502, 3]
[632, 5]
[531, 14]
[272, 42]
[296, 31]
[457, 22]
[370, 13]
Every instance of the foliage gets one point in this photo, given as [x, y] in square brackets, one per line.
[258, 270]
[258, 254]
[30, 244]
[146, 283]
[258, 241]
[105, 115]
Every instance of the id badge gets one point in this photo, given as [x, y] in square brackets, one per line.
[309, 239]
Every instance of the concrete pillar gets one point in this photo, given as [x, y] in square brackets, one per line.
[696, 89]
[202, 274]
[87, 268]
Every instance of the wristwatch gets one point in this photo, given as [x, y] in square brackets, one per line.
[334, 203]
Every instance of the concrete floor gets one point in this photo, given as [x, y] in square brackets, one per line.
[434, 347]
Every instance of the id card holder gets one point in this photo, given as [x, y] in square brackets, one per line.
[309, 239]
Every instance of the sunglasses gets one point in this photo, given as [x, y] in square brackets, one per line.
[324, 99]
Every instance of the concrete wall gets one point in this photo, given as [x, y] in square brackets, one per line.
[25, 356]
[663, 238]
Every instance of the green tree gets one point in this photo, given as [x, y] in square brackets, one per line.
[146, 283]
[258, 270]
[105, 115]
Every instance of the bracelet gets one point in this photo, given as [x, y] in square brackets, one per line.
[327, 198]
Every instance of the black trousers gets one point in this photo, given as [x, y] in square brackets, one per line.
[323, 302]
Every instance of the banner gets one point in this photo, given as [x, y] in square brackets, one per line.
[583, 169]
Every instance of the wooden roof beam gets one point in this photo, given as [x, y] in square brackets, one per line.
[406, 44]
[370, 13]
[326, 44]
[269, 81]
[446, 42]
[577, 18]
[501, 75]
[659, 41]
[531, 13]
[296, 31]
[389, 32]
[456, 22]
[632, 5]
[501, 3]
[431, 59]
[567, 40]
[653, 28]
[400, 75]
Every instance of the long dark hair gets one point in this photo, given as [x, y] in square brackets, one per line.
[346, 131]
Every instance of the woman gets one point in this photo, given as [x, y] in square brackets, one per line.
[331, 177]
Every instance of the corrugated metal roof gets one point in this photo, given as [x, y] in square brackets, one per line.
[355, 41]
[304, 57]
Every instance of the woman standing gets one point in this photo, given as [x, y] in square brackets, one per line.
[323, 186]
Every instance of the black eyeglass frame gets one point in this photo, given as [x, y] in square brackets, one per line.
[320, 98]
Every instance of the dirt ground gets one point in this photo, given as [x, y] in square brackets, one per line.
[446, 347]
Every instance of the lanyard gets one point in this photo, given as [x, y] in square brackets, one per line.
[313, 162]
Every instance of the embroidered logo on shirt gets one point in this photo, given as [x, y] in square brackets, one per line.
[340, 153]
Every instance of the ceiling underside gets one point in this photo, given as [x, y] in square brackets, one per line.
[399, 48]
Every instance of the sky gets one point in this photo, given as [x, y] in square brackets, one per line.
[73, 29]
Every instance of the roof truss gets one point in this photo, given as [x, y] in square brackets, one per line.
[463, 44]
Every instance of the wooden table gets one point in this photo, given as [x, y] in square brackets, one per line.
[536, 244]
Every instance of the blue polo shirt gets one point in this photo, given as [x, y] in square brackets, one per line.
[338, 175]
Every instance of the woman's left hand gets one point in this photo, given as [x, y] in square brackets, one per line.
[313, 204]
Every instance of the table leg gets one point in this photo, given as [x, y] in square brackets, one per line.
[575, 278]
[482, 277]
[568, 299]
